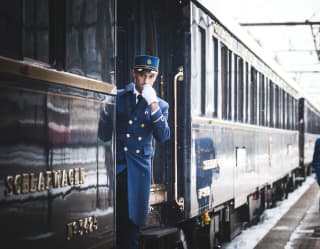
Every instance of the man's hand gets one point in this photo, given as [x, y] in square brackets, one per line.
[149, 94]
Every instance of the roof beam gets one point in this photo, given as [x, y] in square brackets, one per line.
[303, 71]
[280, 23]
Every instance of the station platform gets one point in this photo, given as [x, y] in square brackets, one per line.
[299, 228]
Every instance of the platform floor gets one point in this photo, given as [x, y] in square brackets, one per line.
[299, 228]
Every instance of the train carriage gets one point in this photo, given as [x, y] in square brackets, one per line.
[56, 76]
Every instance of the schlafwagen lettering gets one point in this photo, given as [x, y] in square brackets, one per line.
[36, 182]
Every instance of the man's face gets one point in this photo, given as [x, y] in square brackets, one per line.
[142, 78]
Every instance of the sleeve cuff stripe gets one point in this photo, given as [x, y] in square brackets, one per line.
[160, 118]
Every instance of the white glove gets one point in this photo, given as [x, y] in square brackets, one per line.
[149, 94]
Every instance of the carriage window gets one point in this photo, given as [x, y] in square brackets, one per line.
[196, 71]
[224, 80]
[313, 123]
[235, 87]
[36, 30]
[90, 39]
[246, 91]
[295, 114]
[10, 29]
[290, 113]
[306, 118]
[229, 88]
[285, 100]
[215, 77]
[240, 90]
[277, 107]
[261, 99]
[280, 108]
[202, 34]
[284, 110]
[253, 96]
[209, 84]
[271, 103]
[24, 29]
[294, 117]
[267, 101]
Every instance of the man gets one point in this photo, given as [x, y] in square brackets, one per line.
[316, 159]
[141, 115]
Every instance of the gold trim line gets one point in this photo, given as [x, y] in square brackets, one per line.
[33, 71]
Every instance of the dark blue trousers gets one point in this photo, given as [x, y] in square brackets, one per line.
[128, 233]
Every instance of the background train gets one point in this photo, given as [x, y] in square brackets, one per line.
[242, 132]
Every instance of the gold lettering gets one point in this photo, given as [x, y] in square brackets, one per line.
[76, 176]
[17, 184]
[80, 223]
[25, 183]
[75, 228]
[81, 175]
[95, 222]
[64, 181]
[9, 186]
[90, 229]
[56, 178]
[32, 185]
[86, 225]
[69, 231]
[30, 182]
[48, 179]
[41, 182]
[71, 177]
[81, 226]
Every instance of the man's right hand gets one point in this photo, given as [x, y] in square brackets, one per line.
[149, 94]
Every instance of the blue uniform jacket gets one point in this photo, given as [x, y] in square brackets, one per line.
[136, 128]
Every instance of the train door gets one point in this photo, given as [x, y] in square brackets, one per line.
[157, 28]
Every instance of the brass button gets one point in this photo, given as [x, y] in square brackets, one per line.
[142, 125]
[128, 135]
[137, 151]
[139, 138]
[130, 122]
[125, 148]
[146, 113]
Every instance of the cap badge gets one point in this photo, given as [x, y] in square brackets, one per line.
[149, 62]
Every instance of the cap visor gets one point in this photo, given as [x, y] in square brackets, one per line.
[147, 70]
